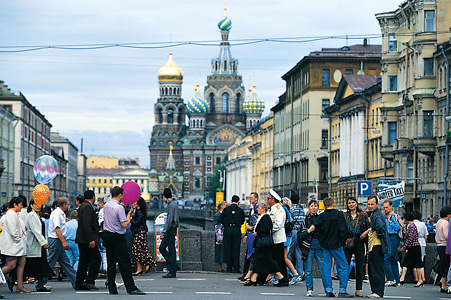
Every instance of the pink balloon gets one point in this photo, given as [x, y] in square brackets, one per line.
[132, 192]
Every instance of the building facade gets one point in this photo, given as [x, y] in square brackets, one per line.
[301, 129]
[58, 186]
[8, 120]
[32, 138]
[414, 92]
[82, 173]
[239, 170]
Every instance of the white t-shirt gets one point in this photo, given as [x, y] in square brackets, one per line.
[57, 219]
[422, 232]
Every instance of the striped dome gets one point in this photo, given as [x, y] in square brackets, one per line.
[225, 23]
[253, 104]
[197, 103]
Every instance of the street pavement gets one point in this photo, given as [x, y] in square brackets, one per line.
[208, 285]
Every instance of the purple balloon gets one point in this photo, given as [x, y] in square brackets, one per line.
[132, 192]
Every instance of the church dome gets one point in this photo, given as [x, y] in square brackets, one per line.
[197, 103]
[225, 23]
[170, 71]
[253, 104]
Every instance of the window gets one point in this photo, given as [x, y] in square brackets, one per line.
[197, 183]
[218, 160]
[197, 160]
[428, 124]
[392, 43]
[391, 132]
[325, 104]
[429, 20]
[324, 138]
[237, 103]
[428, 67]
[212, 102]
[225, 102]
[326, 77]
[170, 116]
[348, 72]
[392, 83]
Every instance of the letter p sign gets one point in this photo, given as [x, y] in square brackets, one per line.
[365, 188]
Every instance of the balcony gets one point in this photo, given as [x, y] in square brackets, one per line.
[425, 145]
[386, 152]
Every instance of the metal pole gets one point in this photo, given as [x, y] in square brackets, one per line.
[445, 177]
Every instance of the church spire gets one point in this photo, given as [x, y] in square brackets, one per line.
[225, 63]
[170, 165]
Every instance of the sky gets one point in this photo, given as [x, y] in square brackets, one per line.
[106, 96]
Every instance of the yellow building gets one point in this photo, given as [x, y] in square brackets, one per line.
[106, 162]
[356, 136]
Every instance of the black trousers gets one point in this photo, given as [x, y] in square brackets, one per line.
[88, 264]
[376, 270]
[279, 257]
[232, 242]
[359, 252]
[117, 252]
[167, 249]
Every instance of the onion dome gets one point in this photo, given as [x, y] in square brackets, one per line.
[225, 23]
[253, 104]
[170, 71]
[197, 103]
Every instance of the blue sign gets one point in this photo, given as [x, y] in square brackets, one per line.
[3, 194]
[391, 190]
[365, 188]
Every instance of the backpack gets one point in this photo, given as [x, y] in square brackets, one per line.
[289, 223]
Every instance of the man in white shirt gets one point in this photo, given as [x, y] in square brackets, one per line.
[57, 240]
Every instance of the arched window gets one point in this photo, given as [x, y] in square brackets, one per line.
[158, 116]
[225, 102]
[166, 91]
[170, 91]
[225, 66]
[237, 103]
[201, 124]
[197, 123]
[170, 116]
[212, 102]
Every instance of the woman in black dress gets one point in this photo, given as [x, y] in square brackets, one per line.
[263, 262]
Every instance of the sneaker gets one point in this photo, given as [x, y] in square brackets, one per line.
[390, 283]
[345, 295]
[330, 295]
[373, 296]
[295, 279]
[309, 293]
[398, 285]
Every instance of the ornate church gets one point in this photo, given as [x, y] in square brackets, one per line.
[183, 155]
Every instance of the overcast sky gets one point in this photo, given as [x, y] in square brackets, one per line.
[106, 96]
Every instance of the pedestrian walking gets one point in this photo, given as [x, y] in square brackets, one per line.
[294, 250]
[394, 226]
[71, 231]
[441, 238]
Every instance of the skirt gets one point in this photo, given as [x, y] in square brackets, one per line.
[219, 254]
[263, 262]
[38, 267]
[413, 258]
[140, 250]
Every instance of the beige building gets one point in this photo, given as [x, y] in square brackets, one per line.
[8, 120]
[239, 170]
[414, 105]
[107, 162]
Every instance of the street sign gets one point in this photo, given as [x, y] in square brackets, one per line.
[312, 196]
[364, 188]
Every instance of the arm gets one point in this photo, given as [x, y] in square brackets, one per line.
[35, 227]
[61, 238]
[170, 218]
[393, 223]
[378, 225]
[11, 227]
[278, 221]
[129, 217]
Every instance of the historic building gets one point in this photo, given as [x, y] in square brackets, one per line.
[216, 118]
[301, 129]
[415, 89]
[8, 120]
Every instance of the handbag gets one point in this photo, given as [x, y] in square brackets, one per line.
[264, 241]
[349, 244]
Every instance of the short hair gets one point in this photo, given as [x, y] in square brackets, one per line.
[80, 199]
[263, 204]
[295, 198]
[371, 197]
[312, 201]
[220, 204]
[235, 199]
[255, 194]
[328, 202]
[73, 215]
[167, 193]
[445, 211]
[408, 216]
[24, 200]
[89, 194]
[61, 201]
[116, 191]
[416, 215]
[388, 201]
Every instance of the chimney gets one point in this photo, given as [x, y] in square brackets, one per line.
[365, 42]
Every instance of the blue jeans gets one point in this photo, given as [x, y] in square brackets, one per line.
[58, 254]
[342, 266]
[315, 252]
[391, 260]
[299, 266]
[73, 254]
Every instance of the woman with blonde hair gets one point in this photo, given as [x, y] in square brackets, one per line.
[219, 231]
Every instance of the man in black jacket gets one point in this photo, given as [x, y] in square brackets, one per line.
[167, 246]
[332, 234]
[88, 241]
[232, 218]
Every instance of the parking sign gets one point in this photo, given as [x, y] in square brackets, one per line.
[365, 188]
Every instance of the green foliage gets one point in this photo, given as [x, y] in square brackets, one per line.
[448, 136]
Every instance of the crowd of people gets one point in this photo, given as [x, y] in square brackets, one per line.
[38, 242]
[283, 242]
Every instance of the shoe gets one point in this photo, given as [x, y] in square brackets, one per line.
[398, 285]
[442, 290]
[373, 296]
[118, 285]
[48, 287]
[22, 291]
[251, 283]
[401, 282]
[240, 278]
[138, 273]
[169, 275]
[295, 279]
[221, 271]
[91, 286]
[245, 280]
[137, 292]
[282, 282]
[358, 295]
[419, 285]
[10, 284]
[390, 283]
[345, 295]
[43, 289]
[309, 293]
[330, 295]
[82, 287]
[114, 293]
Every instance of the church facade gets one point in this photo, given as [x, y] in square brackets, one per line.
[189, 140]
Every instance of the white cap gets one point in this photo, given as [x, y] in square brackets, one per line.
[274, 195]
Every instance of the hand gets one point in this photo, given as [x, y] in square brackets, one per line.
[248, 227]
[311, 229]
[245, 239]
[92, 244]
[254, 234]
[46, 246]
[65, 245]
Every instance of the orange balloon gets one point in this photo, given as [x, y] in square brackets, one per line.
[41, 193]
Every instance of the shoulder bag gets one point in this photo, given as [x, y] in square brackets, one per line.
[350, 241]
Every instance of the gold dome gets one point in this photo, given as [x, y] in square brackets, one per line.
[170, 71]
